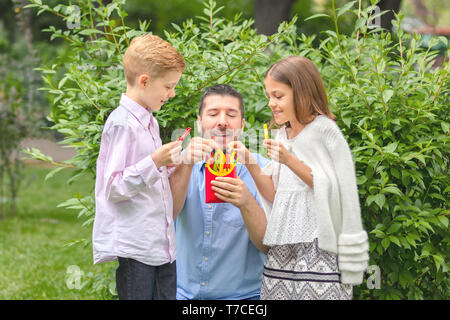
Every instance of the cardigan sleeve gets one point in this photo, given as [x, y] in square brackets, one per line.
[353, 242]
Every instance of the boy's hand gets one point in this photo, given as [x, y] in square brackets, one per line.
[198, 149]
[168, 154]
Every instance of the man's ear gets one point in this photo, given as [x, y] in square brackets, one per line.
[243, 124]
[199, 125]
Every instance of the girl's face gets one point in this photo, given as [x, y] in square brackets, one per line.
[281, 101]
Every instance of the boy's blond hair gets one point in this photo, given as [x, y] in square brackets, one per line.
[151, 54]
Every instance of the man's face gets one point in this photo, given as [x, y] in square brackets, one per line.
[156, 91]
[221, 119]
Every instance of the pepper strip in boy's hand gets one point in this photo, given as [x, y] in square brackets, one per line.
[185, 133]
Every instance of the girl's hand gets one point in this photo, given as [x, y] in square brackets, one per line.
[277, 151]
[231, 190]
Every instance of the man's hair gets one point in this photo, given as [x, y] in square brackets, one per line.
[221, 90]
[151, 54]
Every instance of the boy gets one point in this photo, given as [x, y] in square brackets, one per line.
[134, 216]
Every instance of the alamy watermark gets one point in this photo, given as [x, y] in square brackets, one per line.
[73, 17]
[73, 277]
[374, 20]
[374, 280]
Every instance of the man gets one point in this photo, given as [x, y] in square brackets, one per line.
[216, 257]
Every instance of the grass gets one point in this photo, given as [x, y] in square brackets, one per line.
[35, 261]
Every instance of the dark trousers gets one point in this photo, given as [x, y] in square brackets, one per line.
[138, 281]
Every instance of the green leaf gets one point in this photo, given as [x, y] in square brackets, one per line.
[387, 94]
[53, 172]
[392, 189]
[395, 240]
[444, 221]
[70, 202]
[421, 158]
[345, 8]
[379, 199]
[445, 126]
[88, 32]
[438, 261]
[385, 242]
[318, 15]
[347, 121]
[394, 228]
[390, 148]
[411, 239]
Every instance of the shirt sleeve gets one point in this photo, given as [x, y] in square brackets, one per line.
[122, 180]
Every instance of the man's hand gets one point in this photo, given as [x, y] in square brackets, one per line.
[198, 149]
[243, 155]
[232, 190]
[168, 154]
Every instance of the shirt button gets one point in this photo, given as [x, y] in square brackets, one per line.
[209, 206]
[206, 258]
[203, 283]
[208, 233]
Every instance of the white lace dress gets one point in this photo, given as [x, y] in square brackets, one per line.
[296, 268]
[292, 219]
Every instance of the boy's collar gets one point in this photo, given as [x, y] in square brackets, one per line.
[139, 112]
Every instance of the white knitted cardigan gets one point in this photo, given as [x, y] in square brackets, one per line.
[322, 147]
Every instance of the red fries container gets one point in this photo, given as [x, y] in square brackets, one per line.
[211, 175]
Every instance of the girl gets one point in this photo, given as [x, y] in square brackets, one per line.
[317, 248]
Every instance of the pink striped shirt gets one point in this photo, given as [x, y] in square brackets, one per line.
[134, 209]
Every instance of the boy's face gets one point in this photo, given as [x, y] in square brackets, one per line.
[221, 119]
[155, 91]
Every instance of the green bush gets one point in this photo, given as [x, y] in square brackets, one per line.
[391, 106]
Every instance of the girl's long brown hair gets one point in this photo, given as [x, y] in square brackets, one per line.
[302, 76]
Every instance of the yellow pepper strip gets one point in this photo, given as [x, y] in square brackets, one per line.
[232, 161]
[222, 163]
[216, 155]
[266, 132]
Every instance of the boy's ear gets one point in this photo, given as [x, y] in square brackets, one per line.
[143, 80]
